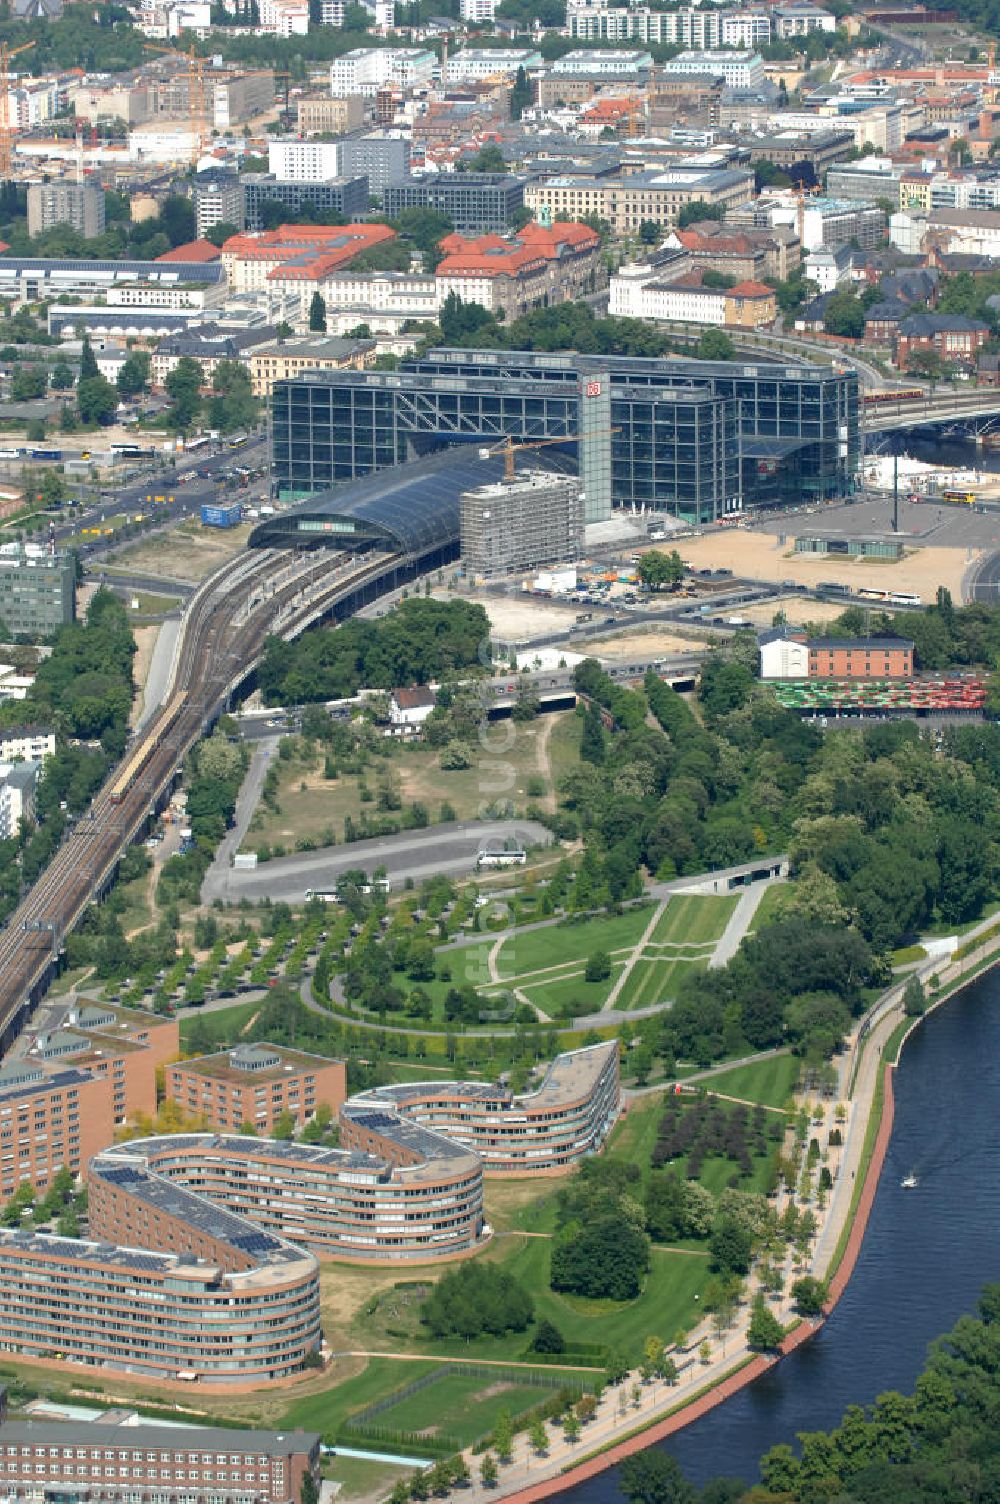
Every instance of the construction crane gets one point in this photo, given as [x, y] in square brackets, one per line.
[508, 448]
[6, 150]
[195, 75]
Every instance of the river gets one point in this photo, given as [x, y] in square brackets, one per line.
[926, 1255]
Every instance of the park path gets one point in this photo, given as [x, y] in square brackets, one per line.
[545, 761]
[629, 966]
[740, 921]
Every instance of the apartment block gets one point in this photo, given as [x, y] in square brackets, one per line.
[18, 781]
[537, 518]
[367, 69]
[27, 743]
[255, 1084]
[218, 200]
[123, 1047]
[49, 1121]
[80, 205]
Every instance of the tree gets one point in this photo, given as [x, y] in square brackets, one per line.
[488, 1471]
[521, 95]
[698, 210]
[133, 378]
[475, 1299]
[659, 571]
[488, 158]
[731, 1246]
[62, 378]
[28, 383]
[606, 1259]
[765, 1331]
[652, 1477]
[184, 388]
[177, 219]
[503, 1436]
[844, 315]
[598, 967]
[233, 404]
[309, 1493]
[538, 1437]
[88, 362]
[317, 312]
[283, 1126]
[96, 400]
[548, 1338]
[714, 345]
[914, 998]
[571, 1427]
[809, 1295]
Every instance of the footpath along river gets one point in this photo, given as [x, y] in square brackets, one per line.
[926, 1255]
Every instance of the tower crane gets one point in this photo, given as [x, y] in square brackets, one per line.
[508, 448]
[6, 53]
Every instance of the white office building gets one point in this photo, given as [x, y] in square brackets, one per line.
[476, 64]
[368, 69]
[478, 10]
[738, 69]
[298, 161]
[17, 795]
[603, 64]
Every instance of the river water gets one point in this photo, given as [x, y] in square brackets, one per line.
[926, 1254]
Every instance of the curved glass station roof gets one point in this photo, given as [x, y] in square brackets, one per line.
[410, 509]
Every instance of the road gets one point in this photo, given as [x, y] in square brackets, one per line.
[418, 854]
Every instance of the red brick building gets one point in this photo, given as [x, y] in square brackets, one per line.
[253, 1084]
[123, 1046]
[860, 658]
[107, 1463]
[49, 1120]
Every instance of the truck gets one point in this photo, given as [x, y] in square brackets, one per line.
[221, 516]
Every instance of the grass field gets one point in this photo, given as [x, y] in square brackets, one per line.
[186, 552]
[309, 803]
[559, 944]
[770, 1082]
[767, 909]
[360, 1477]
[460, 1406]
[694, 919]
[654, 981]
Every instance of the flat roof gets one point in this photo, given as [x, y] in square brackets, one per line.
[219, 1066]
[170, 1438]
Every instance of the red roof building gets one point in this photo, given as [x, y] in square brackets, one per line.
[192, 250]
[541, 264]
[298, 256]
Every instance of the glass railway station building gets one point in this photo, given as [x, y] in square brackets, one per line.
[699, 440]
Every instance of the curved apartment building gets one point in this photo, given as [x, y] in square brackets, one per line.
[202, 1258]
[541, 1132]
[218, 1300]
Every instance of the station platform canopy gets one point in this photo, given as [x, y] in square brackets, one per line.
[411, 509]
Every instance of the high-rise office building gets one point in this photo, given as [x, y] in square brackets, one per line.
[218, 200]
[37, 589]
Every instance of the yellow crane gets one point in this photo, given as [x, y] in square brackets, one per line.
[508, 448]
[195, 75]
[6, 153]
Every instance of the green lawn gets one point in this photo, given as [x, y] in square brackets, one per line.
[768, 906]
[224, 1025]
[560, 943]
[666, 1303]
[360, 1478]
[694, 918]
[769, 1082]
[326, 1411]
[564, 744]
[570, 997]
[655, 981]
[461, 1406]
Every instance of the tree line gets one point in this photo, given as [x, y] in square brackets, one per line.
[424, 639]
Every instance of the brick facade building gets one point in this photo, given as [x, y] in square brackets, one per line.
[254, 1084]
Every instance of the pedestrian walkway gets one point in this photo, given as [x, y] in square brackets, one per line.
[739, 922]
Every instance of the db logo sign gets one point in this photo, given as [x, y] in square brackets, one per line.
[593, 388]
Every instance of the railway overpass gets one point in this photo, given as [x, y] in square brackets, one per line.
[885, 412]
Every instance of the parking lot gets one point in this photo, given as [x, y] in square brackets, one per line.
[923, 525]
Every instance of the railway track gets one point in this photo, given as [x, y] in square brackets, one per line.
[225, 626]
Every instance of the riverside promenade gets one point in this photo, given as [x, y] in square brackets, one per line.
[635, 1414]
